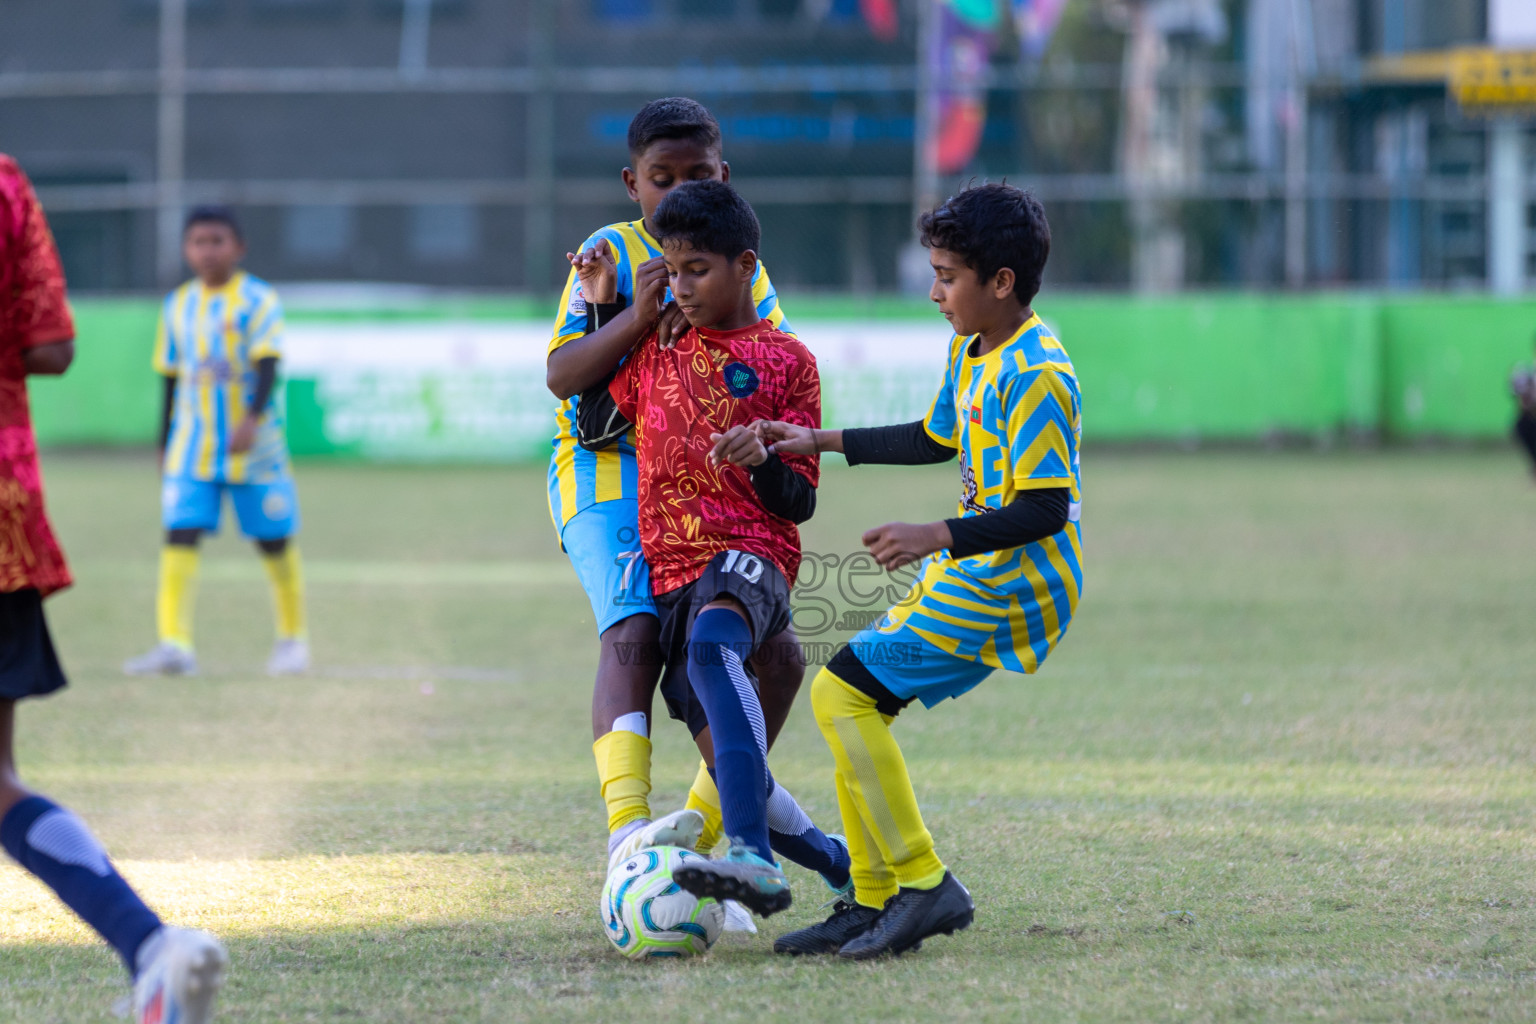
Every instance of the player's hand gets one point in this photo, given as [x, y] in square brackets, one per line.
[897, 544]
[244, 436]
[597, 271]
[785, 438]
[740, 446]
[650, 288]
[671, 327]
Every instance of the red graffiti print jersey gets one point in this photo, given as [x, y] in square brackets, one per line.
[709, 382]
[33, 312]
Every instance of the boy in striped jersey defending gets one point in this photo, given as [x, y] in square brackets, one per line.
[218, 347]
[594, 480]
[998, 583]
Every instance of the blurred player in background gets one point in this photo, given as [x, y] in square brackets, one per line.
[1004, 576]
[219, 342]
[722, 541]
[1522, 384]
[176, 970]
[593, 478]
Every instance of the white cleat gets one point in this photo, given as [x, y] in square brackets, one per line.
[738, 918]
[180, 972]
[680, 828]
[289, 658]
[163, 660]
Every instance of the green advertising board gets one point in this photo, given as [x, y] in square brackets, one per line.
[444, 379]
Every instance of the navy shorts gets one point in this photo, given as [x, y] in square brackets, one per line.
[29, 666]
[753, 581]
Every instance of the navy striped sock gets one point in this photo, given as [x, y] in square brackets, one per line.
[797, 838]
[716, 646]
[53, 844]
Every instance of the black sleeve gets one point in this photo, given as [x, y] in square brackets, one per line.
[600, 313]
[906, 444]
[1030, 516]
[167, 403]
[266, 380]
[783, 491]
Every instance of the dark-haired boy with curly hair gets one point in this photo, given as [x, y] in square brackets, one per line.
[1000, 581]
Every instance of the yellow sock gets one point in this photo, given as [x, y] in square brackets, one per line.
[873, 880]
[877, 783]
[286, 572]
[177, 595]
[705, 798]
[624, 772]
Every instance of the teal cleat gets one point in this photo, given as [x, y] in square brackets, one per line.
[840, 893]
[740, 875]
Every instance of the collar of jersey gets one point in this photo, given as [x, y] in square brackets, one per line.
[1025, 328]
[639, 226]
[230, 287]
[716, 333]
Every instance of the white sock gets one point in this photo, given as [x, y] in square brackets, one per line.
[633, 722]
[623, 832]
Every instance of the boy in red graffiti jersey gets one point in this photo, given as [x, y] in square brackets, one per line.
[718, 519]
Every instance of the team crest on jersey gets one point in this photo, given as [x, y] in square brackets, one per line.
[578, 304]
[965, 401]
[740, 379]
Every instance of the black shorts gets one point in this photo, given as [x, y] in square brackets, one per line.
[29, 666]
[752, 580]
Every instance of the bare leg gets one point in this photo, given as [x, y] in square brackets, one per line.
[780, 667]
[628, 669]
[11, 791]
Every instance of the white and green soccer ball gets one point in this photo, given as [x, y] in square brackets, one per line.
[646, 914]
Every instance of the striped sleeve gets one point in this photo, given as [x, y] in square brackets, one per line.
[767, 299]
[940, 421]
[166, 356]
[1039, 407]
[266, 327]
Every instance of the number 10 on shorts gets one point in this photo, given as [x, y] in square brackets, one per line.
[749, 567]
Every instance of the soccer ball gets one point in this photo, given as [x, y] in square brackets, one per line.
[646, 914]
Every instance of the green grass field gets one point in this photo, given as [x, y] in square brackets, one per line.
[1281, 767]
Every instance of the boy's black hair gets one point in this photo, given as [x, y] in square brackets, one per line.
[992, 227]
[675, 117]
[710, 216]
[214, 215]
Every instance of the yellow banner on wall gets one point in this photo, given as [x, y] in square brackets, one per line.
[1493, 81]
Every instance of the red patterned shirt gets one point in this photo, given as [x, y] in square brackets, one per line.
[711, 381]
[33, 312]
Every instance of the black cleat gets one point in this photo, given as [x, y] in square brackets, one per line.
[740, 875]
[847, 920]
[911, 916]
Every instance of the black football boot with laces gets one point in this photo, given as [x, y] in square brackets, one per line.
[847, 920]
[911, 916]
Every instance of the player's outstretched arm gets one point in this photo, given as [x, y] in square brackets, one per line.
[783, 492]
[796, 439]
[1031, 516]
[585, 361]
[897, 544]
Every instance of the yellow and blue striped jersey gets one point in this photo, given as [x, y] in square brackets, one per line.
[579, 478]
[1015, 415]
[210, 340]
